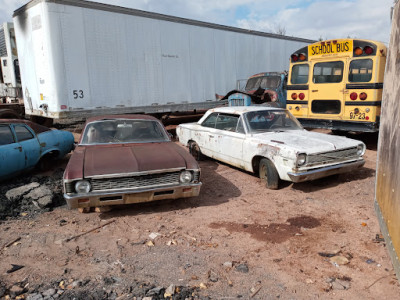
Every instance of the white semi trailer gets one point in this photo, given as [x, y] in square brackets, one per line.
[80, 59]
[11, 104]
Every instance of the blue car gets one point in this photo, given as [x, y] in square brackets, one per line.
[24, 145]
[263, 88]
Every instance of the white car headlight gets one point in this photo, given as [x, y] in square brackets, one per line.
[186, 177]
[82, 187]
[360, 150]
[301, 159]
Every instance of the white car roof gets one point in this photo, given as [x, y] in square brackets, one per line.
[241, 109]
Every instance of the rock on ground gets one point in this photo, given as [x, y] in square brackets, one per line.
[18, 192]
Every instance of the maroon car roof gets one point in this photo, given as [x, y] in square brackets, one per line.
[113, 117]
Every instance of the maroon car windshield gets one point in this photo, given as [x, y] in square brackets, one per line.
[123, 131]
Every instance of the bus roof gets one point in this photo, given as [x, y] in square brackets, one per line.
[338, 48]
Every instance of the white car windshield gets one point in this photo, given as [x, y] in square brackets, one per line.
[271, 120]
[123, 131]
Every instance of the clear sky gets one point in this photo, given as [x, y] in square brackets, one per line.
[313, 19]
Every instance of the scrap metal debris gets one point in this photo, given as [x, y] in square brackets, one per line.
[89, 231]
[14, 268]
[10, 243]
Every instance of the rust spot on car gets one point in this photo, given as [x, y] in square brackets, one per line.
[274, 232]
[269, 150]
[43, 145]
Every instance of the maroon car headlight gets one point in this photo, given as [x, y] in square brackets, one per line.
[82, 187]
[185, 176]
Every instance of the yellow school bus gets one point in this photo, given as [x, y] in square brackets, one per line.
[337, 84]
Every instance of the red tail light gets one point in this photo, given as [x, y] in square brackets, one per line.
[358, 51]
[368, 50]
[295, 57]
[302, 96]
[353, 96]
[294, 96]
[367, 118]
[363, 96]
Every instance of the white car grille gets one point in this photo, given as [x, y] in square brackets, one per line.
[331, 157]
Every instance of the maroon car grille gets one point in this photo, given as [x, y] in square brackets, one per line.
[135, 182]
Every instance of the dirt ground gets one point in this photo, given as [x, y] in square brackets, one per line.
[236, 240]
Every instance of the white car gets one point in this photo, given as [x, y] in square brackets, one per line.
[270, 142]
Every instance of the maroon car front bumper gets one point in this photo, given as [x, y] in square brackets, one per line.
[96, 199]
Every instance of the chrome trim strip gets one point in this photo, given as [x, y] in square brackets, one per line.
[333, 151]
[122, 143]
[71, 180]
[119, 175]
[123, 192]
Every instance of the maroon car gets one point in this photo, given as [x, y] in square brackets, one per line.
[128, 159]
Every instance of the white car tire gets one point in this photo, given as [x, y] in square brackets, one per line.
[269, 174]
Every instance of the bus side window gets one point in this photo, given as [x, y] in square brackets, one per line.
[360, 70]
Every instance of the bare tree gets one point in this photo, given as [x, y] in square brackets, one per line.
[280, 29]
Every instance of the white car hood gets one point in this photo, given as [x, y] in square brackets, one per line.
[306, 141]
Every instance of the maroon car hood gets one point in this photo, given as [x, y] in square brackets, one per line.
[130, 158]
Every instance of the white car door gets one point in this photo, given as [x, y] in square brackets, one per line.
[228, 139]
[205, 137]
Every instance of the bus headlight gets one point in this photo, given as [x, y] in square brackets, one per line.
[301, 159]
[186, 177]
[360, 149]
[82, 187]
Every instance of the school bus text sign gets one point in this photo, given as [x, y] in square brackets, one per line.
[331, 48]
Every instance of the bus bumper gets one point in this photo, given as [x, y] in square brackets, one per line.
[340, 125]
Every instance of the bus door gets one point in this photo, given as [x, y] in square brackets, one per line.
[327, 89]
